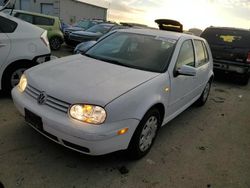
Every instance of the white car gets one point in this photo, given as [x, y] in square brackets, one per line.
[22, 45]
[117, 95]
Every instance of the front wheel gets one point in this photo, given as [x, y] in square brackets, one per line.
[203, 98]
[144, 135]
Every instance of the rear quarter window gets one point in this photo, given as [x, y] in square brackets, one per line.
[39, 20]
[7, 26]
[235, 38]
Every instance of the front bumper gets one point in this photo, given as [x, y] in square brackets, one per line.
[78, 136]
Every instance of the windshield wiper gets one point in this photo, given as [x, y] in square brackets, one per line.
[110, 61]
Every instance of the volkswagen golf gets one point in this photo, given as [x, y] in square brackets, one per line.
[119, 93]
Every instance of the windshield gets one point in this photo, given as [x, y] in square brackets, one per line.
[138, 51]
[100, 28]
[83, 24]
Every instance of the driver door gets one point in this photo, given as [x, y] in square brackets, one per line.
[182, 89]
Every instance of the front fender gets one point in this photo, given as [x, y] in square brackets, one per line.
[135, 103]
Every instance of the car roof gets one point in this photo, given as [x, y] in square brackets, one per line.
[107, 24]
[35, 14]
[159, 33]
[24, 24]
[229, 28]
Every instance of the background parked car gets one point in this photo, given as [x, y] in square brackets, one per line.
[50, 23]
[22, 46]
[93, 33]
[231, 50]
[81, 25]
[64, 26]
[84, 46]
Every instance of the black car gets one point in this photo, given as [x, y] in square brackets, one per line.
[81, 25]
[230, 49]
[93, 33]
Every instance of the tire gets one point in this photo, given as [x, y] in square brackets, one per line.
[144, 135]
[204, 96]
[55, 43]
[244, 79]
[12, 75]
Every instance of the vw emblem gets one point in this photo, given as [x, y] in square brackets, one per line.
[42, 97]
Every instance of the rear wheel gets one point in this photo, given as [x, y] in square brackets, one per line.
[145, 134]
[203, 98]
[55, 43]
[244, 79]
[12, 75]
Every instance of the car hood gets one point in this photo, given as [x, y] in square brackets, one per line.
[86, 33]
[80, 79]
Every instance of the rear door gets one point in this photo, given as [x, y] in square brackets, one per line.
[202, 65]
[4, 47]
[228, 44]
[6, 26]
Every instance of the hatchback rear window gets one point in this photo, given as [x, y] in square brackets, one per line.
[235, 38]
[39, 20]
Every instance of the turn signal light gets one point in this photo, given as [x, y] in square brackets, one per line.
[248, 58]
[122, 131]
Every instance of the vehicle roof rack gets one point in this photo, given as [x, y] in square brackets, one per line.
[169, 25]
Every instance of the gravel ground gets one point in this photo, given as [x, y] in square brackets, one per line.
[202, 147]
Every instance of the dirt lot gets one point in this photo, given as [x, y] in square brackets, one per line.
[202, 147]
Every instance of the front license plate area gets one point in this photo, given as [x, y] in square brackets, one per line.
[33, 119]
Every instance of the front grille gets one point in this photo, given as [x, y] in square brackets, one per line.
[51, 101]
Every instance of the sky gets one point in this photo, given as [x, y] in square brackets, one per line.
[191, 13]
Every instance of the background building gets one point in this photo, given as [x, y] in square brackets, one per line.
[69, 11]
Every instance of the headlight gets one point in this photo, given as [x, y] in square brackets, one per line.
[88, 113]
[22, 83]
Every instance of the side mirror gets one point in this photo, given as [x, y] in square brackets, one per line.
[186, 71]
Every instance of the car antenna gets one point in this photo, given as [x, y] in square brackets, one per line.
[13, 7]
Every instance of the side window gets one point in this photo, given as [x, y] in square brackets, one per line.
[186, 55]
[201, 52]
[206, 52]
[7, 26]
[25, 17]
[39, 20]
